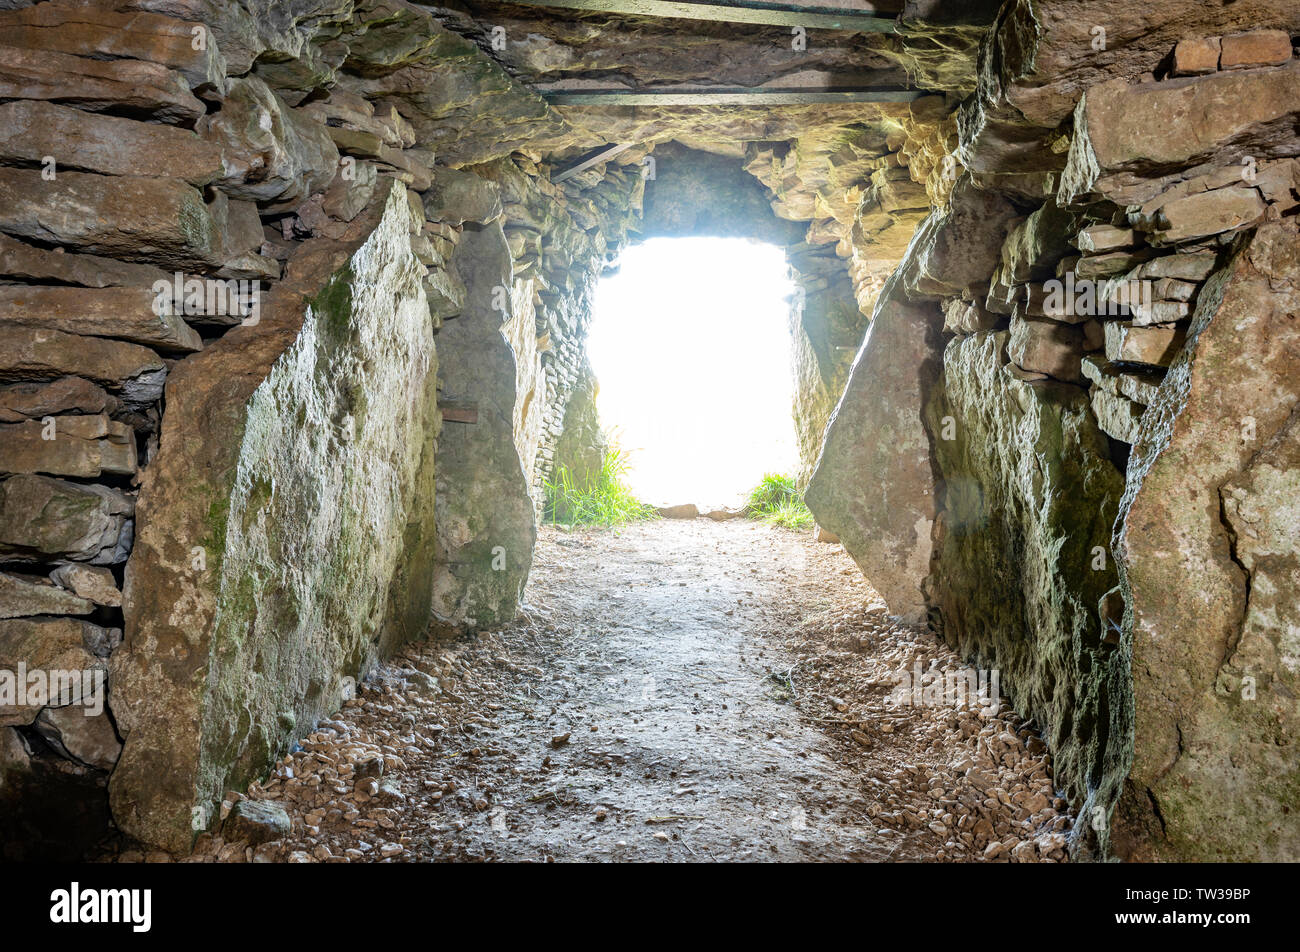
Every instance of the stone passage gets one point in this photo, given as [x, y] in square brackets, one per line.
[684, 690]
[293, 313]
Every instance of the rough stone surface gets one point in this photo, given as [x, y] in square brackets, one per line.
[1127, 342]
[582, 446]
[826, 329]
[874, 484]
[272, 525]
[21, 596]
[89, 581]
[486, 519]
[458, 197]
[41, 516]
[61, 649]
[145, 90]
[135, 372]
[125, 313]
[81, 737]
[85, 446]
[269, 152]
[160, 221]
[1029, 498]
[1204, 471]
[1223, 117]
[256, 821]
[31, 130]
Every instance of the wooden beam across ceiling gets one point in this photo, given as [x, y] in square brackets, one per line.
[734, 11]
[603, 154]
[558, 96]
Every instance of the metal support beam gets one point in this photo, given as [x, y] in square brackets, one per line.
[603, 154]
[724, 97]
[742, 11]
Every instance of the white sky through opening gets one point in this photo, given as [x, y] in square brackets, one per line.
[691, 345]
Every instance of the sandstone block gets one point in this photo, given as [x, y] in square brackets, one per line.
[86, 739]
[23, 596]
[270, 152]
[56, 649]
[50, 518]
[686, 510]
[82, 446]
[1139, 386]
[27, 263]
[1207, 213]
[1047, 347]
[1125, 148]
[101, 33]
[1256, 48]
[1102, 238]
[159, 221]
[456, 197]
[1117, 415]
[1196, 56]
[37, 399]
[134, 372]
[31, 130]
[255, 822]
[89, 581]
[130, 314]
[1156, 346]
[129, 86]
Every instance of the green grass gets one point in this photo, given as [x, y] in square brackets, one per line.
[777, 501]
[607, 501]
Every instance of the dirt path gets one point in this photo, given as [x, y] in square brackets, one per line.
[687, 691]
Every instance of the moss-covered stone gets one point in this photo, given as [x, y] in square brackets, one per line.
[1023, 559]
[285, 527]
[486, 517]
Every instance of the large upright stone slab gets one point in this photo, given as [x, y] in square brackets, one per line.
[826, 330]
[287, 499]
[486, 517]
[874, 485]
[1208, 553]
[1022, 556]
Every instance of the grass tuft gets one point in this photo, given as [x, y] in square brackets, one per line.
[777, 501]
[607, 501]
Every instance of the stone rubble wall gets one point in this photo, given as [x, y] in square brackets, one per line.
[1091, 492]
[138, 140]
[562, 239]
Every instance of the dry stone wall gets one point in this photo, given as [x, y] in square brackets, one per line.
[1106, 469]
[218, 302]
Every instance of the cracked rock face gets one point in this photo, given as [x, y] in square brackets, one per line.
[1206, 498]
[877, 438]
[270, 541]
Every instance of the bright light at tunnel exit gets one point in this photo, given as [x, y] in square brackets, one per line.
[690, 343]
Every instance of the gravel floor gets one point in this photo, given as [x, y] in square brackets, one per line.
[678, 690]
